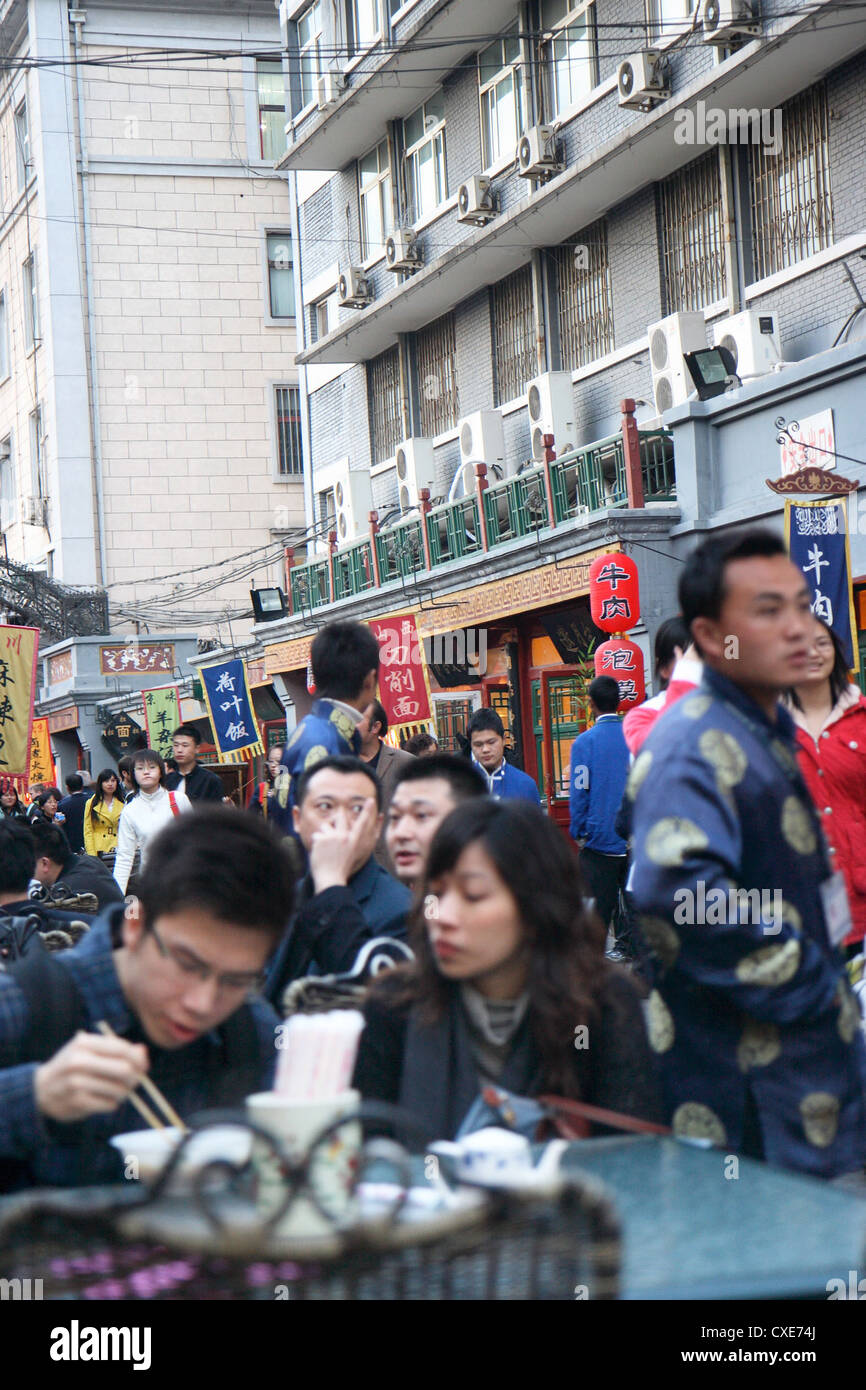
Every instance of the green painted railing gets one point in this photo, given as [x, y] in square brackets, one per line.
[454, 530]
[353, 570]
[582, 481]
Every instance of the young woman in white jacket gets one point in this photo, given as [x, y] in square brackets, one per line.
[146, 813]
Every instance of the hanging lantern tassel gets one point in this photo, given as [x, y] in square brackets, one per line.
[623, 660]
[311, 684]
[614, 598]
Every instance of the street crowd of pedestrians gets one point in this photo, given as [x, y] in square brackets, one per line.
[683, 957]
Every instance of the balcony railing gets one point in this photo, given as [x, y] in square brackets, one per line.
[603, 474]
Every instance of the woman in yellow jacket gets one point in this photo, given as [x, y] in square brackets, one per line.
[101, 814]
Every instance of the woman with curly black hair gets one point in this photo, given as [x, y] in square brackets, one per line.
[510, 985]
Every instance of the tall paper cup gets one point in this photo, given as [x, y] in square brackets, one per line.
[295, 1124]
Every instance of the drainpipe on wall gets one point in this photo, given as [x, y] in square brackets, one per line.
[538, 313]
[300, 344]
[76, 18]
[729, 231]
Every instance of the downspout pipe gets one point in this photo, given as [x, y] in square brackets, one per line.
[76, 19]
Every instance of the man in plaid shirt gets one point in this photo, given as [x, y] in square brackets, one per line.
[175, 974]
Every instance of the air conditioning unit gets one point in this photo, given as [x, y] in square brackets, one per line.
[753, 339]
[329, 88]
[475, 201]
[537, 153]
[34, 511]
[353, 501]
[641, 80]
[354, 290]
[669, 339]
[724, 20]
[415, 467]
[550, 402]
[482, 440]
[401, 250]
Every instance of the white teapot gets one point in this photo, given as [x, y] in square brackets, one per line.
[496, 1157]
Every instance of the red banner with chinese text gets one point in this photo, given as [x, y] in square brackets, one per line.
[403, 687]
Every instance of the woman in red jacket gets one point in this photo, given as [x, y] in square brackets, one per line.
[830, 714]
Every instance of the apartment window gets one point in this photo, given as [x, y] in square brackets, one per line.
[31, 302]
[513, 335]
[309, 52]
[424, 146]
[4, 339]
[364, 23]
[569, 54]
[792, 207]
[290, 449]
[385, 398]
[501, 87]
[323, 317]
[375, 196]
[272, 110]
[583, 297]
[22, 144]
[693, 254]
[667, 17]
[281, 283]
[435, 358]
[37, 452]
[7, 484]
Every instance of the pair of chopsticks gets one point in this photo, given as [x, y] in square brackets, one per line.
[155, 1094]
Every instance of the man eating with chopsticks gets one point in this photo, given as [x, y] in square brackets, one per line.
[161, 994]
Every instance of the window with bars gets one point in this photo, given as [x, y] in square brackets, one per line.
[569, 57]
[435, 359]
[290, 448]
[272, 109]
[693, 251]
[583, 297]
[513, 335]
[384, 396]
[791, 202]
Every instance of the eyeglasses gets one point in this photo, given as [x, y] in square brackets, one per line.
[188, 964]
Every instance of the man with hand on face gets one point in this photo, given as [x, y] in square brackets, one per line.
[426, 791]
[174, 973]
[198, 783]
[346, 898]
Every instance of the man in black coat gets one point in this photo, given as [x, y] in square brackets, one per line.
[198, 783]
[72, 807]
[78, 873]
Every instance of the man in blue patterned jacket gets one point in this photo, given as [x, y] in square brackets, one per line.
[757, 1032]
[345, 661]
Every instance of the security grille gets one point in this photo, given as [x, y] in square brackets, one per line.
[792, 206]
[584, 297]
[435, 348]
[513, 336]
[383, 394]
[289, 441]
[693, 252]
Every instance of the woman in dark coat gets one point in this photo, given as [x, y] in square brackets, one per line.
[510, 985]
[11, 805]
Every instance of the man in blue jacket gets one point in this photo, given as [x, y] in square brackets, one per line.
[487, 744]
[345, 662]
[599, 768]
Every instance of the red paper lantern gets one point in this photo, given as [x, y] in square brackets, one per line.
[623, 660]
[614, 597]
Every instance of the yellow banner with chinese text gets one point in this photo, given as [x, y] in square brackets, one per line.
[19, 647]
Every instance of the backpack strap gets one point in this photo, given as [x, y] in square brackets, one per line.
[172, 801]
[54, 1002]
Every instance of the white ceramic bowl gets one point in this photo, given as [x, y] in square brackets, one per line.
[145, 1152]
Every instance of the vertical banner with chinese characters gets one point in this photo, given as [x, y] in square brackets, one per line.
[817, 537]
[19, 648]
[614, 601]
[41, 757]
[403, 686]
[230, 706]
[161, 717]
